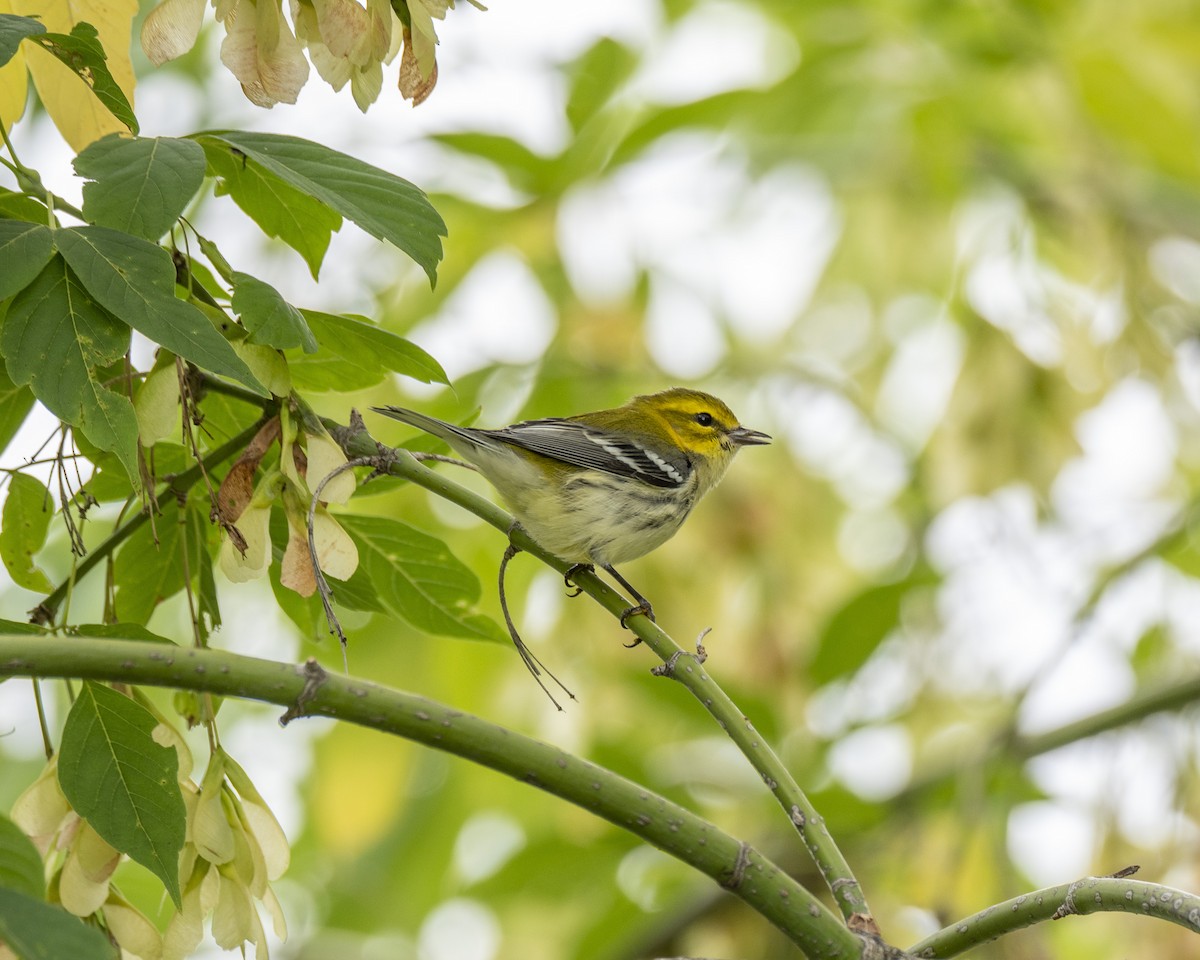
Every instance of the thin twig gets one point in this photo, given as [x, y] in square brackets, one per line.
[532, 663]
[47, 743]
[45, 611]
[187, 406]
[323, 588]
[65, 496]
[422, 456]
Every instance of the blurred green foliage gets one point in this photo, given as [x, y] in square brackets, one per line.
[1013, 176]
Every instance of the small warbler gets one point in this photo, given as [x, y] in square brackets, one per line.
[604, 487]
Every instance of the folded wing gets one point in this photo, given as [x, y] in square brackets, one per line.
[576, 443]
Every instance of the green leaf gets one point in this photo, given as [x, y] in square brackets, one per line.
[25, 249]
[1133, 109]
[418, 580]
[304, 612]
[853, 633]
[13, 30]
[36, 930]
[135, 280]
[1183, 552]
[595, 77]
[207, 608]
[54, 337]
[270, 319]
[118, 631]
[356, 354]
[205, 277]
[83, 53]
[26, 519]
[141, 185]
[20, 863]
[122, 782]
[16, 626]
[280, 210]
[381, 203]
[526, 169]
[147, 573]
[15, 404]
[17, 206]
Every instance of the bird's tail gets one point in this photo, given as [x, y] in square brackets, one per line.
[455, 436]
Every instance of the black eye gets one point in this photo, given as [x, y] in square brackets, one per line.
[704, 419]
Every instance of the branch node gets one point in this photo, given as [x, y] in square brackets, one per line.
[314, 676]
[1068, 905]
[863, 923]
[667, 668]
[740, 865]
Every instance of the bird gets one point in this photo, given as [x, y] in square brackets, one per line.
[605, 487]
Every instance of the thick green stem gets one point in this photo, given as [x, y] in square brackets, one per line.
[310, 691]
[688, 670]
[1089, 895]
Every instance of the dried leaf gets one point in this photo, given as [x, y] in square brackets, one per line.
[237, 488]
[171, 28]
[235, 491]
[296, 572]
[413, 85]
[260, 50]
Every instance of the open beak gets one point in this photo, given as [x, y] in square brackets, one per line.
[745, 437]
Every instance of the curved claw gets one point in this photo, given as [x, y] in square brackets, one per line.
[643, 609]
[571, 571]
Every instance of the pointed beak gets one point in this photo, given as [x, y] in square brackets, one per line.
[745, 437]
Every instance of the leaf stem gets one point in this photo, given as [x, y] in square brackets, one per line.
[212, 384]
[309, 691]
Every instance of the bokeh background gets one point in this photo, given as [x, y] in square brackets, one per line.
[949, 256]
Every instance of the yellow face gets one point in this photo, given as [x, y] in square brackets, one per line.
[702, 424]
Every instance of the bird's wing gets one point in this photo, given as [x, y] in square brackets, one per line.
[576, 443]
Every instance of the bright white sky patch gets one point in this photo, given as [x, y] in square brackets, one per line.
[738, 46]
[499, 313]
[1051, 842]
[874, 762]
[459, 929]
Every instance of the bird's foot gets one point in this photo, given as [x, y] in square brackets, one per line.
[571, 571]
[641, 609]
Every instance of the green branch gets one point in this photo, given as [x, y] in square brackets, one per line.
[1018, 749]
[1138, 707]
[1089, 895]
[309, 691]
[679, 665]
